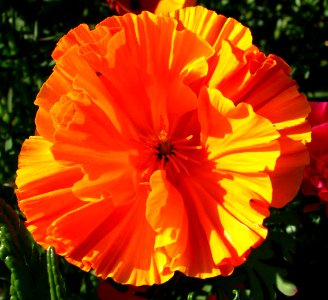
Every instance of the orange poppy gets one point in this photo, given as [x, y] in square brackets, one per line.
[163, 140]
[155, 6]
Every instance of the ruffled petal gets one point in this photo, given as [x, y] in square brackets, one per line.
[81, 35]
[152, 52]
[44, 209]
[43, 186]
[98, 184]
[119, 244]
[265, 83]
[38, 171]
[287, 176]
[166, 214]
[249, 142]
[213, 28]
[215, 256]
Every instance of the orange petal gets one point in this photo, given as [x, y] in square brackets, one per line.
[230, 59]
[231, 203]
[151, 52]
[50, 92]
[38, 171]
[81, 35]
[288, 174]
[99, 184]
[108, 247]
[250, 144]
[237, 229]
[215, 256]
[214, 28]
[78, 120]
[165, 212]
[265, 83]
[42, 210]
[213, 107]
[43, 186]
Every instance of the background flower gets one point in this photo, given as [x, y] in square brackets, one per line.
[316, 173]
[155, 6]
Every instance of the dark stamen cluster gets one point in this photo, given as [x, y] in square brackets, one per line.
[164, 149]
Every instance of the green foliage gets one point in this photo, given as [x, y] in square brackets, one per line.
[295, 251]
[20, 255]
[56, 282]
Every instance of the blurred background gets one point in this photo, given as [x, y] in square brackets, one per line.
[295, 254]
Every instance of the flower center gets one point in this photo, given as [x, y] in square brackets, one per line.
[177, 155]
[164, 148]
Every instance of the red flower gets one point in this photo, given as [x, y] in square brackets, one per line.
[155, 6]
[316, 173]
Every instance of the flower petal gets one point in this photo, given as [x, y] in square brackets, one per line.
[81, 35]
[38, 172]
[249, 145]
[213, 28]
[42, 210]
[319, 113]
[165, 212]
[215, 256]
[264, 83]
[43, 186]
[153, 52]
[288, 173]
[107, 246]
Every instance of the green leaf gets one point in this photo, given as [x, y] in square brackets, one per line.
[255, 285]
[57, 290]
[22, 257]
[285, 286]
[236, 293]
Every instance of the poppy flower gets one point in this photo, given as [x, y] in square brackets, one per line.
[163, 141]
[316, 173]
[155, 6]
